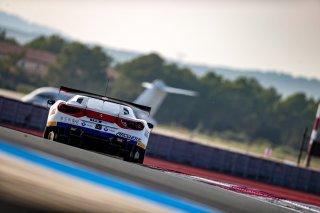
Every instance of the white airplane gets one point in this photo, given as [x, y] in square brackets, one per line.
[41, 95]
[152, 96]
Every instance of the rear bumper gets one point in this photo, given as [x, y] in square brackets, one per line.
[68, 130]
[91, 139]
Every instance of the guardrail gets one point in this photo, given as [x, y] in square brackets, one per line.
[236, 164]
[13, 112]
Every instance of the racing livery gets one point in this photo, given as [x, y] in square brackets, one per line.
[99, 123]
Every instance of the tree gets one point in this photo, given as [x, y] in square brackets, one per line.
[133, 73]
[294, 114]
[52, 44]
[242, 108]
[80, 67]
[3, 37]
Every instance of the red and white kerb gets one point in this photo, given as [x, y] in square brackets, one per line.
[315, 128]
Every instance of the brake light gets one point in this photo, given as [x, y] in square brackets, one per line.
[128, 124]
[71, 110]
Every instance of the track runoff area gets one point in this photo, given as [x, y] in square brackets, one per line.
[38, 173]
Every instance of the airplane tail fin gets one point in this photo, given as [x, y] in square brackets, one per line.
[170, 89]
[155, 93]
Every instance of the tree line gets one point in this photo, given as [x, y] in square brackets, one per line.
[242, 109]
[77, 65]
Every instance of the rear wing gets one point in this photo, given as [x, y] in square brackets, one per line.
[104, 98]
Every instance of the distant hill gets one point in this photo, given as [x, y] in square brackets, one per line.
[121, 55]
[285, 84]
[24, 31]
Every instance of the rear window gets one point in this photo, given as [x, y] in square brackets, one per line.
[103, 106]
[80, 100]
[95, 104]
[111, 108]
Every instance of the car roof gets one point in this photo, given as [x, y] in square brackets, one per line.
[76, 97]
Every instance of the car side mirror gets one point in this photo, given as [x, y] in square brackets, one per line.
[51, 102]
[150, 125]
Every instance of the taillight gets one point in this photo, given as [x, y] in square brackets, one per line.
[127, 124]
[70, 110]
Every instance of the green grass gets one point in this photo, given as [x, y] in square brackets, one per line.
[255, 148]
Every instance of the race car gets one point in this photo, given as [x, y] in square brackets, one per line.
[99, 123]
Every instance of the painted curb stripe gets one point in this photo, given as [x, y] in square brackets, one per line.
[102, 180]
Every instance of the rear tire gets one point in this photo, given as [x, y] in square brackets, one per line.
[141, 155]
[53, 135]
[136, 155]
[46, 133]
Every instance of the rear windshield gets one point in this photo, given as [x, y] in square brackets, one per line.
[103, 106]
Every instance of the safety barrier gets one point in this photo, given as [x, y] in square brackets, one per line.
[237, 164]
[13, 112]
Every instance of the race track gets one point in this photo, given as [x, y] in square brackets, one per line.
[186, 189]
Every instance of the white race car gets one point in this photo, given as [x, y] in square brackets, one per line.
[99, 123]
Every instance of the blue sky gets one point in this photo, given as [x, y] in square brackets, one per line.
[280, 35]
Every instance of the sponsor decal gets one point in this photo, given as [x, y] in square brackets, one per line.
[52, 123]
[91, 125]
[65, 119]
[111, 130]
[53, 112]
[142, 145]
[75, 121]
[147, 133]
[69, 120]
[95, 120]
[83, 123]
[105, 129]
[130, 137]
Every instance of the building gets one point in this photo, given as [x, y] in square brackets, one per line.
[32, 61]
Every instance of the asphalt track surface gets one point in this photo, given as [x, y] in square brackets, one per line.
[185, 188]
[280, 196]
